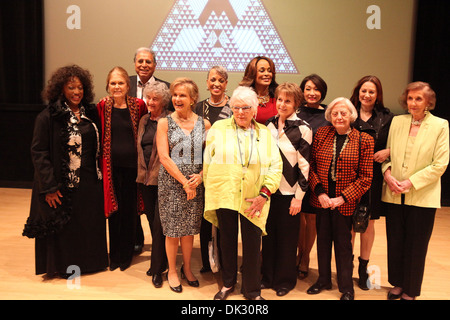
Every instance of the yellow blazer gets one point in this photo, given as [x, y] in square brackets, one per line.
[226, 185]
[428, 161]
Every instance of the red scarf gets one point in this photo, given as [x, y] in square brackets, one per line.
[137, 109]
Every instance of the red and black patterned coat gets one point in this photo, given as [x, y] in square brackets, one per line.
[351, 183]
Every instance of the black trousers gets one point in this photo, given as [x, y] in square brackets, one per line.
[122, 224]
[335, 228]
[158, 262]
[279, 246]
[251, 253]
[408, 231]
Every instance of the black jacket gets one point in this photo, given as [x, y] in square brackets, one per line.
[50, 159]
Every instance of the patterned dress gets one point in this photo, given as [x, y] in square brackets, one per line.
[180, 217]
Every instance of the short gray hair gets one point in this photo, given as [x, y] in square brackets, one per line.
[220, 70]
[160, 89]
[145, 49]
[347, 103]
[245, 95]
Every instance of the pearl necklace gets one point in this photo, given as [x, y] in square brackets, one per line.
[416, 122]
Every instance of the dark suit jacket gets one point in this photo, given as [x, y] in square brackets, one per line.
[133, 85]
[351, 183]
[133, 89]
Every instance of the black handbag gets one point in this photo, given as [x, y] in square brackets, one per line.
[361, 215]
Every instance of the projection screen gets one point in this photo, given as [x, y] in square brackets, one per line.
[341, 40]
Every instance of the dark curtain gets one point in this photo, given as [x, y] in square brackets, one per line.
[21, 54]
[432, 52]
[21, 83]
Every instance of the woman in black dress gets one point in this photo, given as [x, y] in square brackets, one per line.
[375, 119]
[66, 215]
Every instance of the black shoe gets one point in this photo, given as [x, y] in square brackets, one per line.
[223, 295]
[317, 288]
[363, 275]
[113, 266]
[348, 296]
[393, 296]
[191, 283]
[282, 292]
[177, 289]
[124, 266]
[157, 280]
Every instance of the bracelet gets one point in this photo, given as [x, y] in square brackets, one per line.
[265, 192]
[186, 185]
[264, 195]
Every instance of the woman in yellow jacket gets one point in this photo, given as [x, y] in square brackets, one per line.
[419, 155]
[242, 168]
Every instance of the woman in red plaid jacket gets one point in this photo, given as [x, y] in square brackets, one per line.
[341, 172]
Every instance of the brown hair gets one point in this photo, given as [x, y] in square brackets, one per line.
[429, 94]
[250, 74]
[291, 89]
[379, 105]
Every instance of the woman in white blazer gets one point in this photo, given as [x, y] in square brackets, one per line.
[419, 155]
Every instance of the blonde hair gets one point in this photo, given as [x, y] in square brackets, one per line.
[191, 86]
[120, 71]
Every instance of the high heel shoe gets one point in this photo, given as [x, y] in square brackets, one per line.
[177, 289]
[194, 283]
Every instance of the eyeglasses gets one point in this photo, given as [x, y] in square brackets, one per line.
[244, 109]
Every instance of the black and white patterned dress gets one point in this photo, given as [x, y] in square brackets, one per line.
[180, 217]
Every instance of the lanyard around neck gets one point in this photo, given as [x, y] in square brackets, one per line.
[239, 146]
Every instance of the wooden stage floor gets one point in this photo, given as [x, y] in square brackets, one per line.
[19, 282]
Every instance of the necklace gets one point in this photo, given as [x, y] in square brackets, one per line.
[333, 163]
[184, 120]
[244, 167]
[217, 103]
[416, 122]
[263, 100]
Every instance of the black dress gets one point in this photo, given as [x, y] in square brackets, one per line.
[82, 240]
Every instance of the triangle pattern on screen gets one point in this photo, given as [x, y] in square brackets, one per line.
[199, 34]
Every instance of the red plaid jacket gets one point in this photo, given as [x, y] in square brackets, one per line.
[350, 183]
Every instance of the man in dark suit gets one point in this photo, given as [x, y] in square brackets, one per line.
[145, 65]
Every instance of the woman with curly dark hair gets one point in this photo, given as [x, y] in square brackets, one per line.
[260, 75]
[66, 216]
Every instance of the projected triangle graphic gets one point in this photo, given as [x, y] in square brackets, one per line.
[199, 34]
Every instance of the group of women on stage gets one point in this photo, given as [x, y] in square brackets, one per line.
[270, 157]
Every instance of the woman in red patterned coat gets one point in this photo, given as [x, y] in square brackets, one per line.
[120, 114]
[341, 172]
